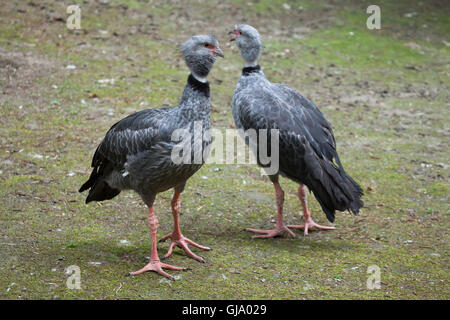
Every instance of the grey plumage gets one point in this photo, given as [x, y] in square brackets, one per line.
[136, 151]
[197, 62]
[307, 147]
[249, 43]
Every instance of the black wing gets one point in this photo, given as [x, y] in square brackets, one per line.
[131, 135]
[307, 148]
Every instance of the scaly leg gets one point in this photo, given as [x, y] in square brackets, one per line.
[309, 223]
[177, 237]
[280, 227]
[154, 264]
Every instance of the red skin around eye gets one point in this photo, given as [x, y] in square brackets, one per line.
[210, 47]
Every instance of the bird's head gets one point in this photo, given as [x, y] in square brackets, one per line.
[248, 41]
[200, 53]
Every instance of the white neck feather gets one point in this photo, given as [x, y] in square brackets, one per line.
[251, 64]
[201, 79]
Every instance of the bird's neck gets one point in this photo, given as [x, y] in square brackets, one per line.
[256, 69]
[251, 63]
[195, 90]
[200, 87]
[197, 77]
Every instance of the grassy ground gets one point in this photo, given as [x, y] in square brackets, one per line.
[386, 92]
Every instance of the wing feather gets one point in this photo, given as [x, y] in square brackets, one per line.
[134, 134]
[297, 118]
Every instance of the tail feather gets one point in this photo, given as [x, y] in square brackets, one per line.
[92, 178]
[99, 189]
[335, 190]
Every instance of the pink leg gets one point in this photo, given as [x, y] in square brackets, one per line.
[154, 264]
[177, 237]
[309, 223]
[280, 227]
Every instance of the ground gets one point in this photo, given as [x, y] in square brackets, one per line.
[386, 93]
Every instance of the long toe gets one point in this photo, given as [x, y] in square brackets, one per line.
[169, 252]
[271, 233]
[310, 224]
[157, 266]
[167, 236]
[184, 243]
[188, 251]
[170, 267]
[189, 241]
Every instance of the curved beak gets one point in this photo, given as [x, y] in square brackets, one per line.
[217, 52]
[233, 32]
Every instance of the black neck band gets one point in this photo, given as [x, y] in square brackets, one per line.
[247, 70]
[198, 85]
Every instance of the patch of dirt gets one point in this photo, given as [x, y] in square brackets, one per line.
[276, 25]
[18, 73]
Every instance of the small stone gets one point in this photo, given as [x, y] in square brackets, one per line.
[165, 280]
[434, 254]
[410, 14]
[106, 81]
[125, 242]
[36, 156]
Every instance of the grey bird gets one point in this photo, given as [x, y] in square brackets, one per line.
[306, 145]
[137, 152]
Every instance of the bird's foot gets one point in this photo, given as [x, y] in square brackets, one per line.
[309, 223]
[272, 233]
[158, 267]
[183, 242]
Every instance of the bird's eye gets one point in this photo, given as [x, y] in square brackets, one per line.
[238, 32]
